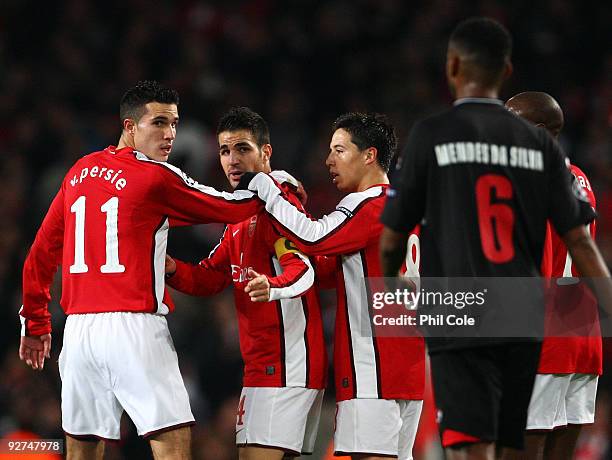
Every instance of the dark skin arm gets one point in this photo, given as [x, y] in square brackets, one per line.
[393, 247]
[591, 266]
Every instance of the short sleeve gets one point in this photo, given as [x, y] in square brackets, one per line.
[568, 203]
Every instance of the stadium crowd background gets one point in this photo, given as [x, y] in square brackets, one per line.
[64, 66]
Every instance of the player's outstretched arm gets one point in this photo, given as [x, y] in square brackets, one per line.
[210, 276]
[590, 264]
[196, 279]
[187, 202]
[344, 230]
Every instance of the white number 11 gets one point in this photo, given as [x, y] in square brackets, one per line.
[112, 265]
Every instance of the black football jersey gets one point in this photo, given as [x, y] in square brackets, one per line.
[482, 182]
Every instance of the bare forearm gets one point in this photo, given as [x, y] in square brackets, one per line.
[585, 255]
[591, 266]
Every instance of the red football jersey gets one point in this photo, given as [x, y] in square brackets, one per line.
[580, 354]
[281, 341]
[108, 228]
[365, 365]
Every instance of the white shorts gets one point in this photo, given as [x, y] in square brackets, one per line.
[559, 399]
[111, 362]
[377, 426]
[284, 417]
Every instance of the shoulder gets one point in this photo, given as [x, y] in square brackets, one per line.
[357, 200]
[583, 180]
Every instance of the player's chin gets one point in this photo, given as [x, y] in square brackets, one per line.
[162, 155]
[339, 184]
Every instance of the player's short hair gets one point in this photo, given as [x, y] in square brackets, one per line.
[134, 100]
[486, 43]
[238, 118]
[370, 130]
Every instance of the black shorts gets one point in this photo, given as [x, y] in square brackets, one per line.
[484, 392]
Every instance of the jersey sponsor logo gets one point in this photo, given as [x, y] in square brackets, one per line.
[491, 154]
[240, 274]
[234, 233]
[345, 211]
[252, 225]
[97, 172]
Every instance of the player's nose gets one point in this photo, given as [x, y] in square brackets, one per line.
[233, 158]
[170, 133]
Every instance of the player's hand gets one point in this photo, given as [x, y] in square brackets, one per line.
[258, 288]
[33, 350]
[170, 266]
[301, 193]
[401, 282]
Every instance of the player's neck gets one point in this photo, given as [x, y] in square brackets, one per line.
[473, 89]
[372, 178]
[125, 141]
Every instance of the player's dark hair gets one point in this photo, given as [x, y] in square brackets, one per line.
[370, 130]
[238, 118]
[486, 43]
[134, 100]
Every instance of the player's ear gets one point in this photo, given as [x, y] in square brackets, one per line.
[129, 126]
[371, 154]
[267, 152]
[452, 65]
[508, 69]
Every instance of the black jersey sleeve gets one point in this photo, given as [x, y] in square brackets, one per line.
[406, 197]
[568, 203]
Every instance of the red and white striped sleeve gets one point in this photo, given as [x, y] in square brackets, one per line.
[347, 229]
[41, 263]
[187, 202]
[297, 273]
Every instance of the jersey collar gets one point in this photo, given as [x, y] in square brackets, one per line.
[378, 185]
[113, 150]
[478, 100]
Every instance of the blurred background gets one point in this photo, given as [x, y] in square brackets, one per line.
[64, 66]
